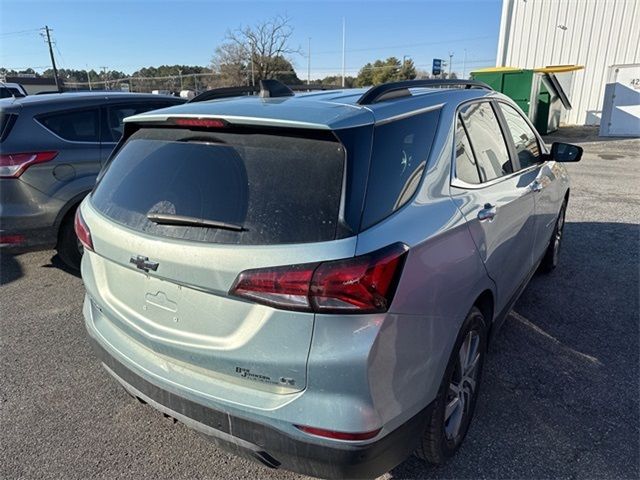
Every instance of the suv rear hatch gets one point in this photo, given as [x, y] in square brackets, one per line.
[182, 210]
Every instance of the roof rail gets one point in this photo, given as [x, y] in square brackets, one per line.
[388, 91]
[224, 92]
[268, 89]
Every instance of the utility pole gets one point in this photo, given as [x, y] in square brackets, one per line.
[53, 60]
[309, 63]
[344, 40]
[450, 61]
[89, 78]
[181, 85]
[253, 75]
[104, 76]
[464, 64]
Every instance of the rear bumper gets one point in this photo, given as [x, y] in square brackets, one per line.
[271, 446]
[27, 214]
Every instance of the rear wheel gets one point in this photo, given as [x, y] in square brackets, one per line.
[455, 404]
[69, 247]
[552, 255]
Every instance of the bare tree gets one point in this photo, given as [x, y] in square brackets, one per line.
[253, 53]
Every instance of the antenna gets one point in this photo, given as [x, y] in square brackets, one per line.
[344, 40]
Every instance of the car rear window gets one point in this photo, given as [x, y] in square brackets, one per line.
[280, 188]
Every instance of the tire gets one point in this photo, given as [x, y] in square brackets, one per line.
[552, 255]
[444, 435]
[69, 248]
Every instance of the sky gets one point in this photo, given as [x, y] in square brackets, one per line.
[128, 35]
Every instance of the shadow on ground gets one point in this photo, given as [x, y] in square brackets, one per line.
[560, 391]
[10, 269]
[56, 262]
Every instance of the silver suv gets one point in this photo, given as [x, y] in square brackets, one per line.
[312, 279]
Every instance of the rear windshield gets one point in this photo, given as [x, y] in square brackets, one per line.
[277, 188]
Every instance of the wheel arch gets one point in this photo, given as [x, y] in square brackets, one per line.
[67, 209]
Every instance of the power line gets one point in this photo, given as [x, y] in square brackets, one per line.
[20, 32]
[407, 45]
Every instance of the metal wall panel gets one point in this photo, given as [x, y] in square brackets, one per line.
[593, 33]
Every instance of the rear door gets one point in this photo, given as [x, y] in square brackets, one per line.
[284, 191]
[496, 201]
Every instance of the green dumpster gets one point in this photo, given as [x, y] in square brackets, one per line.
[536, 91]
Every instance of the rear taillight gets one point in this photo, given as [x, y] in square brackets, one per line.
[362, 284]
[12, 165]
[82, 231]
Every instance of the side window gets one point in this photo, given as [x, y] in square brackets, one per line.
[116, 114]
[487, 141]
[398, 158]
[77, 126]
[466, 168]
[524, 139]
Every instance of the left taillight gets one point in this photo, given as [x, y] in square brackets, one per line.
[12, 165]
[82, 231]
[362, 284]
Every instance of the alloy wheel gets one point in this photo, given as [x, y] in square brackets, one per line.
[463, 385]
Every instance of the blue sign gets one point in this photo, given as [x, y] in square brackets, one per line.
[436, 69]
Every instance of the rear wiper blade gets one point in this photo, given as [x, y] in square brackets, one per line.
[173, 219]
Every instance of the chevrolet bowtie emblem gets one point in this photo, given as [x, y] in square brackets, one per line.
[143, 263]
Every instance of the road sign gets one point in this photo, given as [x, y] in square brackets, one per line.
[436, 69]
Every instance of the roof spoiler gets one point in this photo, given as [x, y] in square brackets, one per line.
[389, 91]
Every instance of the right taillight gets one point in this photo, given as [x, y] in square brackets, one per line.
[82, 231]
[362, 284]
[12, 165]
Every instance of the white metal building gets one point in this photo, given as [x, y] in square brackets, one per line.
[595, 33]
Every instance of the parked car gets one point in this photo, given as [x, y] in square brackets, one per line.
[9, 90]
[52, 148]
[316, 285]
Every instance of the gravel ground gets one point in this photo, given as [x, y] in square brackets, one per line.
[559, 398]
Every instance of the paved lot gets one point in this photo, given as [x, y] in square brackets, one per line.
[560, 393]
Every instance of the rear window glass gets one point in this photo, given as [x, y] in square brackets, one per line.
[399, 156]
[76, 126]
[278, 188]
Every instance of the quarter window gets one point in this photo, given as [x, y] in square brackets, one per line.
[487, 141]
[466, 168]
[524, 138]
[77, 126]
[400, 152]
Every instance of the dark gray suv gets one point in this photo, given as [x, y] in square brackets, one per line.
[51, 150]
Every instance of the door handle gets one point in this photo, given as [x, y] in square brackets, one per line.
[488, 212]
[536, 186]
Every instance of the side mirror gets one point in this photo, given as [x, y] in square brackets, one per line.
[565, 152]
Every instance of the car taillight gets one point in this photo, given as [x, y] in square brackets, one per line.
[12, 165]
[11, 239]
[362, 284]
[356, 436]
[82, 231]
